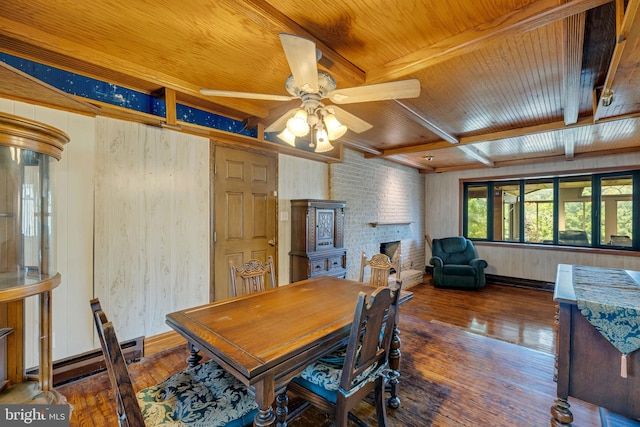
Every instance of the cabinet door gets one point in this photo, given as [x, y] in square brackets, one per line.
[325, 229]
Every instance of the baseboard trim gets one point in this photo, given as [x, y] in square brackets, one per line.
[89, 363]
[92, 362]
[511, 281]
[520, 282]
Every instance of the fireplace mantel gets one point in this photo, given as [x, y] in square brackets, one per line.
[376, 224]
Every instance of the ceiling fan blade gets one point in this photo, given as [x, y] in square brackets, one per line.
[354, 123]
[245, 95]
[377, 92]
[281, 122]
[302, 58]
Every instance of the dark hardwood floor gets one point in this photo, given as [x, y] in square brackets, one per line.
[469, 358]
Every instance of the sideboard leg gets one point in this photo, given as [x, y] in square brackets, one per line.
[561, 415]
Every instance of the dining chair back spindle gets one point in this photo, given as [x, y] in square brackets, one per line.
[335, 387]
[251, 274]
[204, 395]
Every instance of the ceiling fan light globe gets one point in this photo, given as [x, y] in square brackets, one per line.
[297, 124]
[287, 137]
[322, 142]
[335, 129]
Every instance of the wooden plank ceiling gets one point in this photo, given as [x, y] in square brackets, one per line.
[502, 81]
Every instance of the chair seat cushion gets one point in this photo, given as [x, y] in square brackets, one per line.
[206, 395]
[458, 270]
[323, 377]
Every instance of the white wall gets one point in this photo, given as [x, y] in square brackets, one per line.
[376, 190]
[297, 179]
[443, 210]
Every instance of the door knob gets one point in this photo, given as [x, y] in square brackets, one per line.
[271, 242]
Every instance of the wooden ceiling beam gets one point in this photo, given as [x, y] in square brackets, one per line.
[532, 160]
[532, 16]
[569, 143]
[339, 65]
[512, 133]
[427, 123]
[360, 147]
[573, 39]
[607, 97]
[476, 154]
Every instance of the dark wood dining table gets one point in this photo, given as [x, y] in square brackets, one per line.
[267, 338]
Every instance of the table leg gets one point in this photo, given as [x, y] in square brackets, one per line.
[561, 415]
[394, 366]
[282, 409]
[194, 358]
[265, 393]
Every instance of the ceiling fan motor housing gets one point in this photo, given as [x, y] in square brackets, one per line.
[326, 83]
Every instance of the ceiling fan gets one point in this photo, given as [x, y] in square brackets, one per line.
[311, 86]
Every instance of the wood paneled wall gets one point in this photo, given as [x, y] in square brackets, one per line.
[152, 224]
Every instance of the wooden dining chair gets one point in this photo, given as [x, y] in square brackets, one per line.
[206, 395]
[381, 267]
[335, 387]
[252, 276]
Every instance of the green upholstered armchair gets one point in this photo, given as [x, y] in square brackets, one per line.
[456, 264]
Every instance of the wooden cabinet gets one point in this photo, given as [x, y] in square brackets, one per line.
[28, 151]
[317, 239]
[588, 366]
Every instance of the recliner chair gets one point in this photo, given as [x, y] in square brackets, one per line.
[456, 264]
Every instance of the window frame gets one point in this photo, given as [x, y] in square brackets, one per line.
[595, 178]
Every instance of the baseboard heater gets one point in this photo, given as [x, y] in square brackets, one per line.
[510, 281]
[91, 362]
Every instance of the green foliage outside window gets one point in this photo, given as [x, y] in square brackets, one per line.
[577, 216]
[555, 208]
[538, 214]
[477, 219]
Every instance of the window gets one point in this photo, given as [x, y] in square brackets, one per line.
[538, 211]
[506, 218]
[584, 211]
[574, 213]
[616, 210]
[477, 211]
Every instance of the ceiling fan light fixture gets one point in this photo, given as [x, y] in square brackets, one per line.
[297, 124]
[322, 141]
[287, 137]
[335, 129]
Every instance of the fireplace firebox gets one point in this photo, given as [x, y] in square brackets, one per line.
[390, 249]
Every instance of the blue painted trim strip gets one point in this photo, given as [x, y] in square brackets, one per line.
[86, 87]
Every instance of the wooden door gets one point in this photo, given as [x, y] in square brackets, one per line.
[244, 212]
